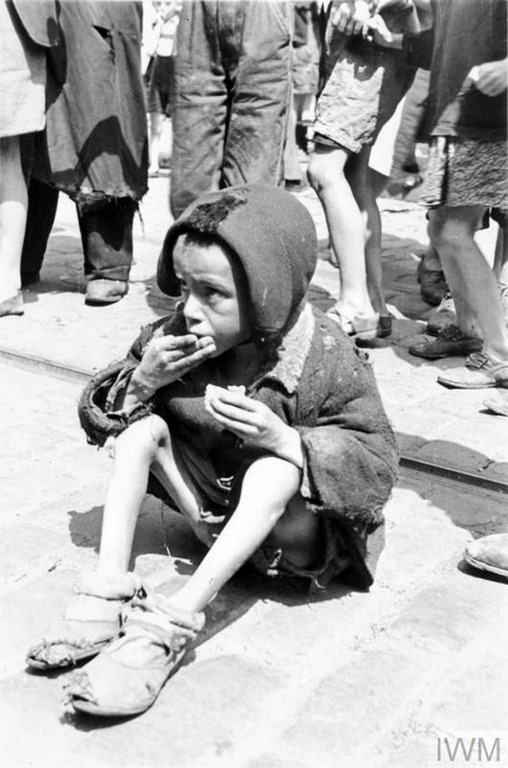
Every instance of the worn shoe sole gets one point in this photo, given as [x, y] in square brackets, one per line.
[484, 566]
[77, 658]
[103, 292]
[458, 349]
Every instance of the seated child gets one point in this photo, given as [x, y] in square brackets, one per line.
[259, 420]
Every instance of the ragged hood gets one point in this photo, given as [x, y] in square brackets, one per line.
[274, 238]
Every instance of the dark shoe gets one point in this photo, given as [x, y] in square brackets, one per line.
[126, 678]
[448, 343]
[480, 372]
[433, 287]
[442, 317]
[103, 291]
[12, 306]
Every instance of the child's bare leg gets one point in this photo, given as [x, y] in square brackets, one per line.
[362, 184]
[345, 224]
[268, 487]
[144, 445]
[157, 634]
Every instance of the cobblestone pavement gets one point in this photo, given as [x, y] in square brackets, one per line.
[394, 677]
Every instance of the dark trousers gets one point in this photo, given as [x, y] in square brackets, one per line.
[232, 93]
[105, 227]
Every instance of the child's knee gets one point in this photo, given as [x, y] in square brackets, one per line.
[144, 437]
[321, 171]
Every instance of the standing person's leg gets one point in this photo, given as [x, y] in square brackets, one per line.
[501, 263]
[155, 120]
[260, 35]
[106, 234]
[201, 105]
[42, 205]
[13, 212]
[360, 180]
[292, 170]
[346, 227]
[474, 288]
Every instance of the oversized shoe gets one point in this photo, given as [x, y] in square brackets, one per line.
[91, 621]
[126, 678]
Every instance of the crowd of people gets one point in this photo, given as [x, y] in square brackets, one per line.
[252, 413]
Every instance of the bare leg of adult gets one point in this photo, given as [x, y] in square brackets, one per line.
[13, 211]
[345, 225]
[471, 280]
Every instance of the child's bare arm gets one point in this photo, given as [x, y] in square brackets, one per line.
[254, 423]
[165, 359]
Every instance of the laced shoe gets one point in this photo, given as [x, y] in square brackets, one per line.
[442, 316]
[450, 342]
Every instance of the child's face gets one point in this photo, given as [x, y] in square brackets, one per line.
[214, 293]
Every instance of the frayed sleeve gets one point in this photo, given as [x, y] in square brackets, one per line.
[344, 477]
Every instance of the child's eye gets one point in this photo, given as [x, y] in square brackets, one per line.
[212, 293]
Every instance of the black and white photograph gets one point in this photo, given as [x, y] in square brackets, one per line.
[253, 383]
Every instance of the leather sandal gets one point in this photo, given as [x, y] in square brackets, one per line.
[126, 678]
[103, 291]
[90, 622]
[357, 326]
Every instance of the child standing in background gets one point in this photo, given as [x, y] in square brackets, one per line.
[159, 46]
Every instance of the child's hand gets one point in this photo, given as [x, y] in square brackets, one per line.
[376, 30]
[490, 78]
[167, 358]
[253, 422]
[350, 16]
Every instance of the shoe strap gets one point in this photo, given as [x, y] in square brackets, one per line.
[453, 333]
[157, 610]
[122, 587]
[476, 361]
